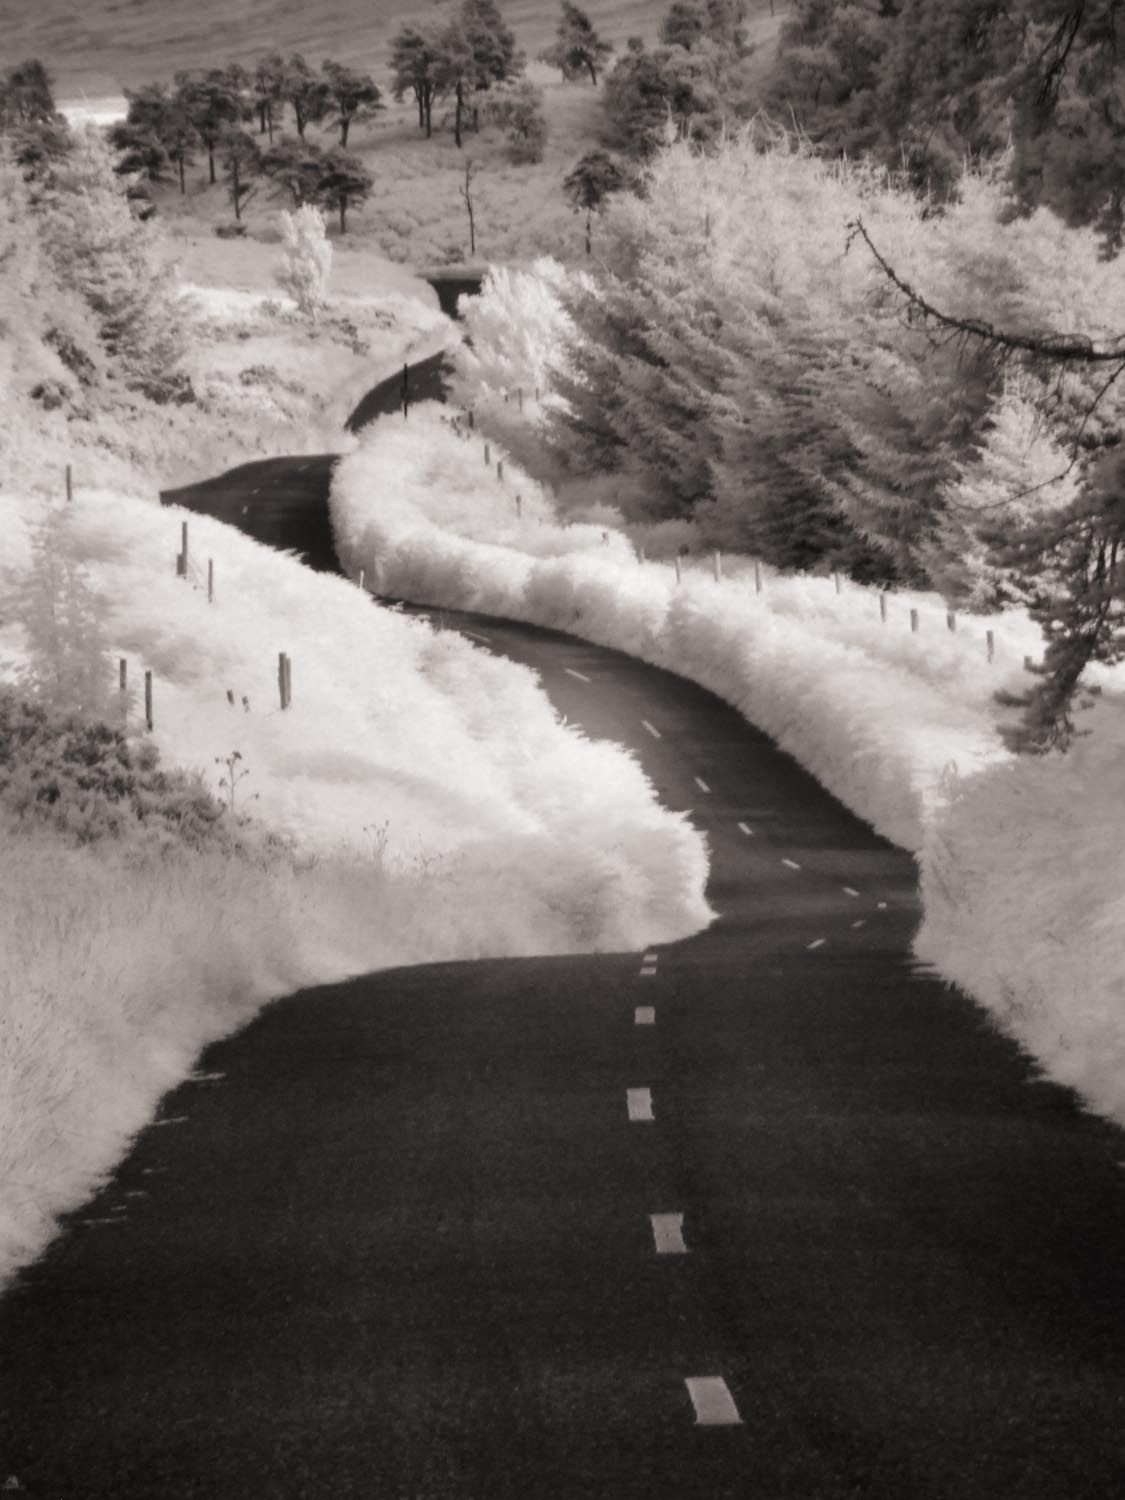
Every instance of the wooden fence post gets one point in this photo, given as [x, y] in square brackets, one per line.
[500, 470]
[487, 456]
[210, 580]
[914, 621]
[470, 419]
[950, 621]
[148, 700]
[676, 560]
[283, 678]
[122, 674]
[990, 642]
[883, 605]
[757, 576]
[836, 579]
[519, 397]
[717, 565]
[69, 485]
[288, 681]
[519, 505]
[184, 545]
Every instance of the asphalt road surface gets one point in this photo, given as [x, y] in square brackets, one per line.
[766, 1214]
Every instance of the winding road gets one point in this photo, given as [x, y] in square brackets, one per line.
[766, 1213]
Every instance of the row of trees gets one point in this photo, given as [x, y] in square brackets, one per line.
[749, 362]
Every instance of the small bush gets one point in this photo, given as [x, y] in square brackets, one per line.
[84, 779]
[230, 231]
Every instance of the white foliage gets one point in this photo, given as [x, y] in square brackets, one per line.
[307, 264]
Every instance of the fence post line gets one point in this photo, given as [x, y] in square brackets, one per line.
[990, 643]
[914, 621]
[69, 485]
[883, 605]
[148, 700]
[950, 620]
[210, 580]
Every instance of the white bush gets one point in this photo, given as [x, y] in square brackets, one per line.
[307, 265]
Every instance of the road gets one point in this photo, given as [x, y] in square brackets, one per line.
[766, 1213]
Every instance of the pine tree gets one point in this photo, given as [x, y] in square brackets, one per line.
[241, 162]
[354, 96]
[213, 99]
[343, 182]
[416, 65]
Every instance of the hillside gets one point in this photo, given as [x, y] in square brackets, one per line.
[99, 47]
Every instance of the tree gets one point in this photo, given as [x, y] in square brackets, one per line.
[140, 152]
[119, 268]
[353, 96]
[26, 95]
[416, 59]
[307, 262]
[156, 123]
[577, 48]
[683, 25]
[306, 92]
[590, 183]
[467, 193]
[646, 90]
[455, 70]
[38, 146]
[343, 182]
[517, 107]
[267, 90]
[295, 167]
[241, 161]
[213, 100]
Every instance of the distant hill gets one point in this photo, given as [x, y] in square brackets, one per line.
[95, 48]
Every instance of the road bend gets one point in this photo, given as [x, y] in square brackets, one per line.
[765, 1213]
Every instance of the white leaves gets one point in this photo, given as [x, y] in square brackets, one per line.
[307, 263]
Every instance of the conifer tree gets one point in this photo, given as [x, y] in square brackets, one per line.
[577, 48]
[353, 97]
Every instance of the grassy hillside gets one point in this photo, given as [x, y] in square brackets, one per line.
[97, 47]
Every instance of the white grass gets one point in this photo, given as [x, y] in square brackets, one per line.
[1020, 859]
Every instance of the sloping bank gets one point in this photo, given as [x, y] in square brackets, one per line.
[902, 728]
[434, 806]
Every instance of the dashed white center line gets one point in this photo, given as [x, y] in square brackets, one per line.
[644, 1015]
[572, 673]
[819, 943]
[701, 784]
[206, 1077]
[651, 729]
[882, 905]
[713, 1402]
[171, 1120]
[668, 1233]
[849, 890]
[792, 863]
[301, 468]
[639, 1102]
[749, 832]
[649, 971]
[861, 923]
[486, 639]
[649, 958]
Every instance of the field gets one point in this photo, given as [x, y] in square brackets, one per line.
[97, 48]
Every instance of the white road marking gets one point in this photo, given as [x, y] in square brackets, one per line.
[849, 891]
[102, 1221]
[668, 1233]
[136, 1193]
[882, 905]
[301, 468]
[152, 1171]
[639, 1102]
[171, 1120]
[701, 784]
[713, 1402]
[648, 973]
[572, 673]
[819, 943]
[792, 863]
[486, 639]
[644, 1015]
[861, 923]
[749, 832]
[205, 1077]
[255, 490]
[650, 958]
[651, 729]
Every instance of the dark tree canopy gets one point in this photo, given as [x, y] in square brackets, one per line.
[353, 96]
[577, 48]
[26, 95]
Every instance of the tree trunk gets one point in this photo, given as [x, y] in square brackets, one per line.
[343, 213]
[262, 118]
[457, 116]
[345, 121]
[587, 231]
[476, 118]
[211, 161]
[593, 71]
[300, 120]
[183, 189]
[236, 194]
[429, 115]
[421, 108]
[269, 121]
